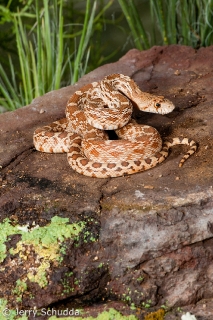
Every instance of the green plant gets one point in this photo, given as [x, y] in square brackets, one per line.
[184, 22]
[8, 11]
[42, 57]
[137, 29]
[66, 39]
[173, 21]
[87, 54]
[85, 37]
[19, 289]
[147, 304]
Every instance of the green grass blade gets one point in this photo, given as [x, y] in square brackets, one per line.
[47, 39]
[13, 76]
[84, 66]
[7, 85]
[88, 28]
[153, 14]
[131, 22]
[34, 71]
[184, 25]
[25, 71]
[86, 33]
[207, 32]
[101, 12]
[60, 48]
[5, 93]
[171, 21]
[139, 26]
[9, 105]
[162, 21]
[39, 51]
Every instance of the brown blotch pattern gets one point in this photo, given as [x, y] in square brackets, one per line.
[119, 169]
[72, 149]
[96, 165]
[124, 163]
[62, 135]
[50, 134]
[84, 162]
[75, 156]
[111, 165]
[137, 162]
[148, 161]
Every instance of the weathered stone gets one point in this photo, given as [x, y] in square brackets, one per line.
[144, 239]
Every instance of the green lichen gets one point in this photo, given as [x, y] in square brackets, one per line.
[100, 265]
[46, 242]
[179, 309]
[19, 289]
[132, 306]
[76, 282]
[9, 314]
[147, 304]
[140, 279]
[66, 287]
[112, 314]
[6, 229]
[126, 297]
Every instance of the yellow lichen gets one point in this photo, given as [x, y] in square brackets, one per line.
[40, 276]
[46, 243]
[157, 315]
[43, 244]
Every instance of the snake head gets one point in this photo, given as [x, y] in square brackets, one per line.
[154, 104]
[162, 105]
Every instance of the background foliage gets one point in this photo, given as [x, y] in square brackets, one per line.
[47, 44]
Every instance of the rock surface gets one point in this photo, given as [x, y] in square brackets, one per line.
[143, 240]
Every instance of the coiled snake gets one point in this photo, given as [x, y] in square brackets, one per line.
[102, 106]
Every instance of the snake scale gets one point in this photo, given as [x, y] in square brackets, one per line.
[108, 105]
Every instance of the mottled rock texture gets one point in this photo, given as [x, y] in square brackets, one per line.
[147, 239]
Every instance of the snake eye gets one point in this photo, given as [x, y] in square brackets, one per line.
[158, 105]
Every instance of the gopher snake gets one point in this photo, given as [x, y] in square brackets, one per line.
[107, 105]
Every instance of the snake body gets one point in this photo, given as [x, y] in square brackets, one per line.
[108, 105]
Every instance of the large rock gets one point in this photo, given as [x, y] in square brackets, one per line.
[144, 240]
